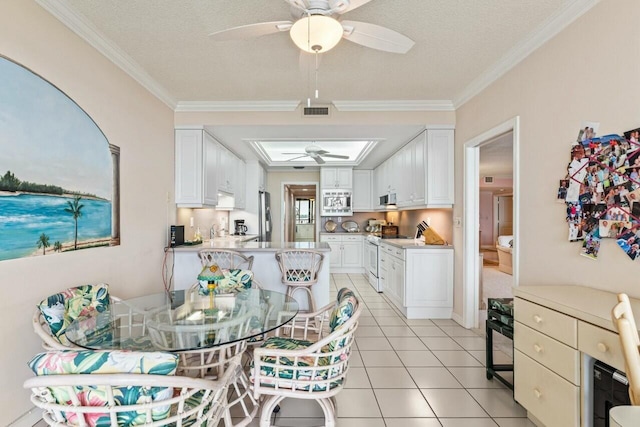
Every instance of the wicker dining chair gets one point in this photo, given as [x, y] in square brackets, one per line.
[624, 320]
[299, 270]
[54, 314]
[301, 369]
[82, 388]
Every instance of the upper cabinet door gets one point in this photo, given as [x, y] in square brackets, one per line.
[418, 158]
[336, 178]
[362, 194]
[196, 158]
[439, 181]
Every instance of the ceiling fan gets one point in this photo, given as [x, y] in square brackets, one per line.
[314, 28]
[316, 153]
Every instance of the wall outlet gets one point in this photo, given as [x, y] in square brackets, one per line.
[457, 222]
[339, 219]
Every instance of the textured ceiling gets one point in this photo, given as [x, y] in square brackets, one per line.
[456, 41]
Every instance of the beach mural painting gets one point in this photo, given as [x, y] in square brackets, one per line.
[59, 176]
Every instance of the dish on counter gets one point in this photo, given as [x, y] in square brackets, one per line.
[350, 226]
[330, 226]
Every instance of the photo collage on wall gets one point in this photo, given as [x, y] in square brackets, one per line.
[602, 190]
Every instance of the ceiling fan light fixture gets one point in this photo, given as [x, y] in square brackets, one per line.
[316, 33]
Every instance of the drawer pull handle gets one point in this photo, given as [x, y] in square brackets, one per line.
[537, 319]
[537, 393]
[537, 348]
[602, 347]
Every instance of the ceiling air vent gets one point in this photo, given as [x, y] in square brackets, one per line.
[488, 180]
[316, 111]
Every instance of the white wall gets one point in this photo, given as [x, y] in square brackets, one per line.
[587, 72]
[130, 118]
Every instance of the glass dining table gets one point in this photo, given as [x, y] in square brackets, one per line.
[182, 320]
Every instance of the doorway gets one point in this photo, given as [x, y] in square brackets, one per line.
[473, 238]
[300, 212]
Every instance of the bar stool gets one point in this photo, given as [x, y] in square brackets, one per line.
[225, 258]
[300, 268]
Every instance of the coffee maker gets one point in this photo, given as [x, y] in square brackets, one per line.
[240, 228]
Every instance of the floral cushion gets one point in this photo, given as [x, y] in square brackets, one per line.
[61, 309]
[233, 282]
[344, 292]
[108, 362]
[347, 304]
[281, 343]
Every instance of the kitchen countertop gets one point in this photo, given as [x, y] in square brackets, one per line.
[413, 244]
[247, 246]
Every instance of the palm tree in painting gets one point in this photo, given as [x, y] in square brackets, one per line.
[75, 209]
[57, 246]
[43, 242]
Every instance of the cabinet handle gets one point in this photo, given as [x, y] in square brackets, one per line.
[602, 347]
[381, 259]
[537, 393]
[537, 319]
[537, 348]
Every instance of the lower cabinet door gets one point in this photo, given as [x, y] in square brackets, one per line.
[547, 396]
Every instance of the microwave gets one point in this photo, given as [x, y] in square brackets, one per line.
[388, 199]
[336, 203]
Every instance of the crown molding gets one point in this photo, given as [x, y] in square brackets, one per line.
[549, 29]
[89, 33]
[418, 105]
[232, 106]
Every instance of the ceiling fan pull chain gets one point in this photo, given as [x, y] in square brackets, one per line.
[317, 75]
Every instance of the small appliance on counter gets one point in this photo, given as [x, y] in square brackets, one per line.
[176, 235]
[386, 231]
[240, 228]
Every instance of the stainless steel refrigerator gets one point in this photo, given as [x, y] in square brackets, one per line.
[264, 216]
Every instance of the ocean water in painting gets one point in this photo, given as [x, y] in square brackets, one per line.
[23, 218]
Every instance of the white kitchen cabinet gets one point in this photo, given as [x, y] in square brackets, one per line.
[418, 280]
[439, 168]
[420, 174]
[227, 171]
[196, 162]
[262, 178]
[346, 252]
[240, 192]
[362, 194]
[336, 178]
[392, 266]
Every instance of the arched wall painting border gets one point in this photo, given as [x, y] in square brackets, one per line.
[59, 176]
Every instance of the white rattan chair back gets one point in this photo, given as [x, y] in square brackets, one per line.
[299, 270]
[628, 331]
[197, 402]
[225, 258]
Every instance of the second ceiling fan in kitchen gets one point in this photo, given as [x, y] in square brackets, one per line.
[316, 153]
[316, 27]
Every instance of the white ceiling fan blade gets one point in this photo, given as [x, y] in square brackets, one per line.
[251, 31]
[351, 4]
[296, 158]
[335, 156]
[294, 154]
[376, 37]
[318, 160]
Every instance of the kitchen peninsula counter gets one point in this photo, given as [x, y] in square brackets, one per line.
[186, 264]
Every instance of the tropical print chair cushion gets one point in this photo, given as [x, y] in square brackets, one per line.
[61, 309]
[344, 292]
[108, 362]
[281, 343]
[347, 304]
[233, 281]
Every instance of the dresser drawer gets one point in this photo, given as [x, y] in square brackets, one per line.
[558, 357]
[600, 344]
[547, 396]
[549, 322]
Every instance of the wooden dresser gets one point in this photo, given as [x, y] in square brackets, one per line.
[559, 331]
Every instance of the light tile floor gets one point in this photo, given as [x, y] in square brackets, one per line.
[411, 373]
